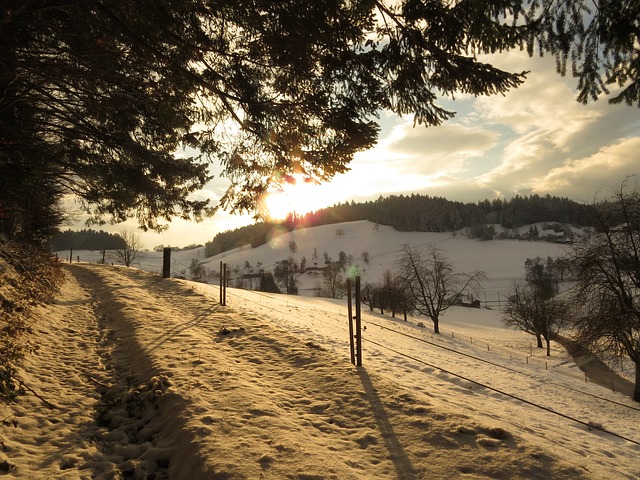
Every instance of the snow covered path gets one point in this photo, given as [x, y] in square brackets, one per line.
[173, 385]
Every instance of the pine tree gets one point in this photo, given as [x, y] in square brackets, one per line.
[96, 97]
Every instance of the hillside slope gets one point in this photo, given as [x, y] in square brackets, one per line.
[502, 260]
[139, 377]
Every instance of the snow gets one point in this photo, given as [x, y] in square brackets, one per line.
[263, 387]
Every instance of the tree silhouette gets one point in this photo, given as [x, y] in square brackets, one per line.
[333, 281]
[286, 272]
[599, 40]
[432, 283]
[129, 251]
[606, 268]
[123, 103]
[536, 313]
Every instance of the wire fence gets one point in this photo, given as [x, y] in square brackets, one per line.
[281, 306]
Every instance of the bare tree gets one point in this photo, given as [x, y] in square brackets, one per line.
[333, 282]
[395, 295]
[197, 270]
[532, 312]
[131, 249]
[606, 268]
[432, 283]
[366, 258]
[286, 272]
[541, 275]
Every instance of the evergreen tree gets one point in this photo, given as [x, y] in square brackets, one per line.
[96, 96]
[86, 239]
[599, 40]
[268, 284]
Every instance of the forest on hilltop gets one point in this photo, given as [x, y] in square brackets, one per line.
[419, 213]
[86, 239]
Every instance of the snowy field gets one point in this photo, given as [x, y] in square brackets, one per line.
[502, 260]
[475, 365]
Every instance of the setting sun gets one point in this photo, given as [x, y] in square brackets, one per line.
[300, 197]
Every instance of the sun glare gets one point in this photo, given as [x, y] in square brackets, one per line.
[299, 197]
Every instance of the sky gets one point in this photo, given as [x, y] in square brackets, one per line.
[536, 139]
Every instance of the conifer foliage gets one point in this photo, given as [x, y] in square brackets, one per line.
[597, 41]
[96, 96]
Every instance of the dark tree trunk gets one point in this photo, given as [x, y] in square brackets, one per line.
[436, 325]
[548, 347]
[539, 339]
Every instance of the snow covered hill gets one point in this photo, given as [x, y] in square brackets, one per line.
[476, 366]
[502, 260]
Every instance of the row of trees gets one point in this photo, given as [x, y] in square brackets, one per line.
[255, 235]
[423, 213]
[123, 248]
[419, 213]
[286, 273]
[424, 282]
[601, 306]
[86, 239]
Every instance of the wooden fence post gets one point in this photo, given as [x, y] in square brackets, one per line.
[221, 280]
[358, 325]
[71, 255]
[166, 262]
[350, 312]
[225, 280]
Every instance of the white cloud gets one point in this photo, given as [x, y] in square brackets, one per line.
[585, 175]
[437, 151]
[551, 143]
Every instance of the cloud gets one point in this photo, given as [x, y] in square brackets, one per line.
[439, 140]
[437, 151]
[554, 144]
[585, 175]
